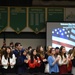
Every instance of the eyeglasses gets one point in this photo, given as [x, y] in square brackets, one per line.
[63, 49]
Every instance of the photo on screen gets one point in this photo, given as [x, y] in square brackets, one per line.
[60, 34]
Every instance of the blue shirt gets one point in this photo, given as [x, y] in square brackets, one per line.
[52, 68]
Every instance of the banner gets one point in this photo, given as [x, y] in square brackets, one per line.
[36, 19]
[55, 14]
[3, 18]
[18, 18]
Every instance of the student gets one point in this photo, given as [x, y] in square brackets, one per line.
[0, 61]
[17, 53]
[8, 60]
[69, 65]
[22, 67]
[29, 49]
[63, 61]
[34, 62]
[47, 64]
[57, 51]
[73, 60]
[41, 53]
[11, 45]
[53, 62]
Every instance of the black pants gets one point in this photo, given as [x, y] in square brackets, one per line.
[33, 70]
[0, 69]
[8, 70]
[70, 72]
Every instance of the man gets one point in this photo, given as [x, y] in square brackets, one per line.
[57, 51]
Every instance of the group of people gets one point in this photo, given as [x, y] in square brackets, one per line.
[15, 58]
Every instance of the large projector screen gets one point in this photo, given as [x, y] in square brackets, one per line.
[60, 34]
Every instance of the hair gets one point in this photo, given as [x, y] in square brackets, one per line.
[17, 43]
[41, 53]
[11, 43]
[23, 52]
[73, 47]
[56, 48]
[70, 51]
[6, 54]
[51, 50]
[73, 52]
[60, 52]
[48, 47]
[38, 48]
[3, 47]
[48, 50]
[48, 53]
[32, 55]
[29, 47]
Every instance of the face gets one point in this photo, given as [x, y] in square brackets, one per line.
[19, 46]
[41, 48]
[57, 50]
[26, 50]
[34, 52]
[49, 47]
[24, 53]
[30, 49]
[11, 45]
[68, 55]
[63, 50]
[4, 48]
[8, 50]
[74, 48]
[53, 51]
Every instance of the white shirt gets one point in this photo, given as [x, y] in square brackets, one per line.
[5, 61]
[61, 61]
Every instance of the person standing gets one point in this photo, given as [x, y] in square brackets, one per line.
[63, 61]
[73, 60]
[8, 60]
[53, 62]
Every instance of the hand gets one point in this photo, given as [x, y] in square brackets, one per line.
[11, 64]
[39, 61]
[44, 60]
[26, 61]
[57, 59]
[69, 59]
[64, 60]
[37, 57]
[8, 63]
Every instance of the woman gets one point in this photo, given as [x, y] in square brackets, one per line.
[41, 53]
[33, 62]
[8, 60]
[53, 62]
[48, 50]
[69, 65]
[47, 64]
[0, 61]
[63, 61]
[73, 60]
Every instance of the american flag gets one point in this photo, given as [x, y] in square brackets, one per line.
[63, 37]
